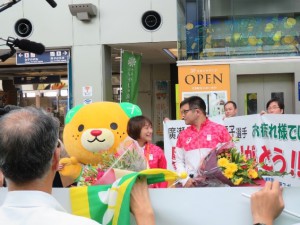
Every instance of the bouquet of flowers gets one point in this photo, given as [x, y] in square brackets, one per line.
[112, 167]
[224, 165]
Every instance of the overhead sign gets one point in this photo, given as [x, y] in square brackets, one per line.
[37, 80]
[48, 57]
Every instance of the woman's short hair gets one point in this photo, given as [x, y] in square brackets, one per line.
[135, 125]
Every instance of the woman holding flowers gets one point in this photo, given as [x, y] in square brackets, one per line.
[140, 129]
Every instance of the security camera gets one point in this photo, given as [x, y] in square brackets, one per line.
[83, 12]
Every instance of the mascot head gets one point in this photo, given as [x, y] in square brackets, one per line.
[93, 129]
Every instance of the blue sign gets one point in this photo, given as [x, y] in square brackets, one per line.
[298, 91]
[87, 101]
[48, 57]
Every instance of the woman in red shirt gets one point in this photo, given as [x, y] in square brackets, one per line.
[140, 129]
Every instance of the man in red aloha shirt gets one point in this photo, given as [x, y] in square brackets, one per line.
[195, 142]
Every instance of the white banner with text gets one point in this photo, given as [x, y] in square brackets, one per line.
[271, 139]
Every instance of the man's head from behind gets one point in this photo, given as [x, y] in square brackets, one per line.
[28, 139]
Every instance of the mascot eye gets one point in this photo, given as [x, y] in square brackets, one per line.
[80, 127]
[113, 126]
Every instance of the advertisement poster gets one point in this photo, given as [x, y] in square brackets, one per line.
[161, 105]
[269, 139]
[210, 82]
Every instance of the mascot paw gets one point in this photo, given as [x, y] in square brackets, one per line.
[70, 167]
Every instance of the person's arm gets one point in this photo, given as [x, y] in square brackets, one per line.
[1, 179]
[162, 162]
[180, 167]
[267, 204]
[224, 135]
[140, 203]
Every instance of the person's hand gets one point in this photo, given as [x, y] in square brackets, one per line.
[140, 204]
[263, 112]
[166, 119]
[190, 183]
[267, 204]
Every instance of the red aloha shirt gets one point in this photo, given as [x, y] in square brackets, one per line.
[192, 145]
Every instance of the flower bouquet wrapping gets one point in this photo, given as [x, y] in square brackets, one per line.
[225, 166]
[113, 166]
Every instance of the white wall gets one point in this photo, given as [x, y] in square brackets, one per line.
[117, 21]
[194, 206]
[271, 67]
[121, 21]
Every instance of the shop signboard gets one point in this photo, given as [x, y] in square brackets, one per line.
[210, 82]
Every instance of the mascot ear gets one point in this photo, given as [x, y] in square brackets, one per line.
[72, 112]
[130, 109]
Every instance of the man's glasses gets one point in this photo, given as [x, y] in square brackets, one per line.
[184, 112]
[274, 107]
[59, 143]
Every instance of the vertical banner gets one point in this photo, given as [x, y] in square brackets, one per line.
[210, 82]
[161, 104]
[131, 67]
[70, 85]
[178, 100]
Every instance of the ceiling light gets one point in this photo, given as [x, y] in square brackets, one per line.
[171, 52]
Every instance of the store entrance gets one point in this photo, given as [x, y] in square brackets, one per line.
[43, 87]
[254, 91]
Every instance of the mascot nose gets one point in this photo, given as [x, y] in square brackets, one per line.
[96, 132]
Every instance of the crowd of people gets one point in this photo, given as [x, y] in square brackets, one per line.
[273, 106]
[30, 152]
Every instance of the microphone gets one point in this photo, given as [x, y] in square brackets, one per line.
[29, 46]
[52, 3]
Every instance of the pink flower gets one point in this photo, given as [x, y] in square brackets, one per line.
[100, 174]
[87, 179]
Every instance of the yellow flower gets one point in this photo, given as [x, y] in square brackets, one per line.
[232, 166]
[189, 26]
[244, 158]
[222, 162]
[277, 36]
[238, 181]
[228, 173]
[252, 40]
[288, 39]
[237, 36]
[290, 22]
[252, 174]
[269, 27]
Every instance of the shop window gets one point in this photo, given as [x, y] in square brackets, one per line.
[217, 29]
